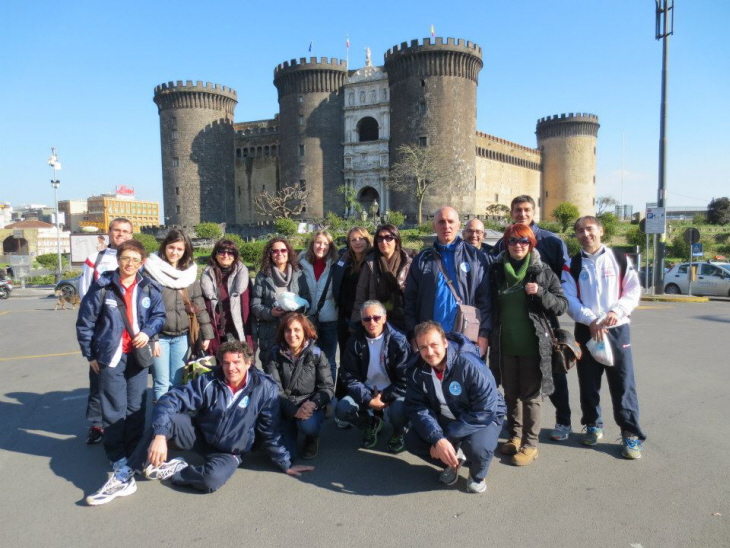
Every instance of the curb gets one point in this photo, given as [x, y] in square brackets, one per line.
[674, 299]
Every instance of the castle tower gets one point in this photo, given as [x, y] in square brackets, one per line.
[568, 145]
[196, 133]
[310, 138]
[433, 89]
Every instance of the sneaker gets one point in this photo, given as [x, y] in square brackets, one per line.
[112, 489]
[165, 470]
[370, 438]
[632, 447]
[591, 435]
[511, 447]
[561, 432]
[396, 443]
[95, 435]
[473, 486]
[449, 475]
[311, 447]
[343, 425]
[525, 456]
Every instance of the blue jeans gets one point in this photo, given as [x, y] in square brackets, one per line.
[349, 411]
[168, 367]
[290, 428]
[620, 377]
[123, 391]
[327, 341]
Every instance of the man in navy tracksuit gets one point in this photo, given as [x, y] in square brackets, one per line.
[455, 409]
[553, 252]
[217, 415]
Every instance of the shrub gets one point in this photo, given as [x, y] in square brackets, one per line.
[252, 252]
[396, 218]
[208, 231]
[566, 214]
[235, 238]
[610, 226]
[550, 226]
[50, 260]
[425, 228]
[286, 227]
[148, 241]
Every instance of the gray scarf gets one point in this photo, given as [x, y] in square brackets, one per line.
[281, 279]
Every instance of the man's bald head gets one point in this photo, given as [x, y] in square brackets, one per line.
[446, 223]
[474, 233]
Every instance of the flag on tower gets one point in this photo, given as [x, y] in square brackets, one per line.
[347, 43]
[433, 31]
[311, 43]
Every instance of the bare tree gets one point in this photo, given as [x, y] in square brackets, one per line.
[288, 202]
[418, 168]
[498, 210]
[604, 203]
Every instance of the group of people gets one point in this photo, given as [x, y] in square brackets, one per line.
[396, 320]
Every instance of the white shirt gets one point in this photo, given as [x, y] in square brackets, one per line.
[89, 274]
[377, 378]
[600, 290]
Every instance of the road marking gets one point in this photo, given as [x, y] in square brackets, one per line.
[40, 356]
[662, 307]
[6, 312]
[69, 398]
[52, 435]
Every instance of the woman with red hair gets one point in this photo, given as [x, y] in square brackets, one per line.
[526, 294]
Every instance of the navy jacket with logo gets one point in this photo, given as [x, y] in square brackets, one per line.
[469, 390]
[229, 422]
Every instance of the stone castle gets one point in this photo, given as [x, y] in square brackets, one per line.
[338, 127]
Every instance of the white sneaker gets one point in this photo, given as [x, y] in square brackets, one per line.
[561, 432]
[166, 469]
[476, 486]
[112, 489]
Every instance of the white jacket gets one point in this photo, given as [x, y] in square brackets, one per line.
[316, 287]
[89, 274]
[600, 290]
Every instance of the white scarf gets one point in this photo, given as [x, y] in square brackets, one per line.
[169, 276]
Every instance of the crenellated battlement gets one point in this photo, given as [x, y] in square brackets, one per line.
[198, 95]
[324, 63]
[197, 86]
[567, 125]
[493, 139]
[438, 43]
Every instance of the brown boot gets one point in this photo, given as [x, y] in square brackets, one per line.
[511, 447]
[525, 456]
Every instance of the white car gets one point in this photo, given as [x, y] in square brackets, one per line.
[712, 279]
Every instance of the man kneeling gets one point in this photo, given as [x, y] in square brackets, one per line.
[229, 406]
[455, 409]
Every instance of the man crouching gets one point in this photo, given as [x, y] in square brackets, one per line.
[454, 407]
[230, 406]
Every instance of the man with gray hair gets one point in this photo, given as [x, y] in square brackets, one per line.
[373, 370]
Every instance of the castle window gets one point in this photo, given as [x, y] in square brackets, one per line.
[301, 150]
[546, 194]
[238, 153]
[302, 185]
[174, 122]
[594, 179]
[239, 191]
[177, 191]
[259, 152]
[175, 162]
[496, 198]
[384, 94]
[266, 151]
[300, 99]
[422, 108]
[423, 83]
[245, 152]
[174, 134]
[423, 141]
[273, 150]
[368, 129]
[301, 120]
[177, 209]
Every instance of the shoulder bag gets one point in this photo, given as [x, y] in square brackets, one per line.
[468, 318]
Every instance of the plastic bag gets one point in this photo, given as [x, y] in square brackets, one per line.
[601, 350]
[290, 301]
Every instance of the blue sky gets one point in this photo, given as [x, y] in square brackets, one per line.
[80, 76]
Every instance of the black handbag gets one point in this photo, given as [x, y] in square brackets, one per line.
[566, 350]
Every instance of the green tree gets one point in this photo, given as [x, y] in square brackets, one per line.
[417, 170]
[50, 261]
[610, 226]
[148, 241]
[718, 211]
[252, 253]
[235, 238]
[286, 227]
[635, 236]
[209, 231]
[396, 218]
[566, 214]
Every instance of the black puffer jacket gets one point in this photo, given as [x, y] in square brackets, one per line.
[549, 301]
[308, 378]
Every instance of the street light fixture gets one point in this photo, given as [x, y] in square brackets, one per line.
[55, 183]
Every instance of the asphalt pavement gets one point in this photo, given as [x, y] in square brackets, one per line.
[677, 495]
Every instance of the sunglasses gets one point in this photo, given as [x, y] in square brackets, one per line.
[368, 319]
[385, 238]
[515, 241]
[278, 251]
[226, 252]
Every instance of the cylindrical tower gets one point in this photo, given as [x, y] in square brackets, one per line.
[310, 132]
[433, 90]
[196, 133]
[568, 145]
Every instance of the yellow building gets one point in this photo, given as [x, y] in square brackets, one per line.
[106, 207]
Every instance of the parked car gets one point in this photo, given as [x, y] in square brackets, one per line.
[68, 287]
[712, 279]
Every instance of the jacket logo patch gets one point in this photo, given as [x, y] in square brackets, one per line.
[243, 404]
[455, 388]
[465, 267]
[146, 302]
[584, 275]
[111, 303]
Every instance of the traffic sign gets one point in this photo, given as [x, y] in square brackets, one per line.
[697, 250]
[656, 221]
[691, 236]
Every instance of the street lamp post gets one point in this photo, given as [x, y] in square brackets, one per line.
[664, 28]
[55, 183]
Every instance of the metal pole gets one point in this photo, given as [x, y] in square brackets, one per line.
[646, 273]
[664, 28]
[58, 229]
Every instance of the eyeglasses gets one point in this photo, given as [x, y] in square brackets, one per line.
[130, 260]
[279, 251]
[477, 232]
[368, 319]
[355, 240]
[515, 241]
[385, 238]
[226, 252]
